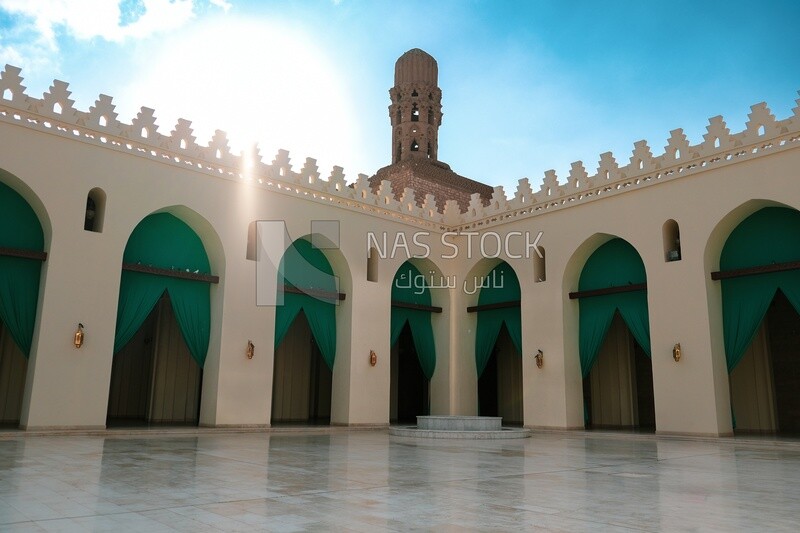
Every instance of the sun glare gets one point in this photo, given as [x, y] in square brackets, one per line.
[255, 80]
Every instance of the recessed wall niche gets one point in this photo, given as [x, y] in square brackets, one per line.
[95, 210]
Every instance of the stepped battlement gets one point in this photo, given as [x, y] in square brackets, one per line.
[100, 125]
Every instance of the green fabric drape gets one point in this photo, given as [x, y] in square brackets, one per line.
[409, 286]
[614, 264]
[19, 278]
[502, 285]
[768, 236]
[138, 294]
[164, 241]
[305, 267]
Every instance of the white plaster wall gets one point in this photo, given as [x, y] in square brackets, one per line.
[684, 303]
[69, 388]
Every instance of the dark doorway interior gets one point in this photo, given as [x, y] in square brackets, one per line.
[645, 398]
[410, 389]
[13, 368]
[784, 346]
[302, 382]
[500, 385]
[154, 378]
[618, 392]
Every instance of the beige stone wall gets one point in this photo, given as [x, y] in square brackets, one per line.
[54, 170]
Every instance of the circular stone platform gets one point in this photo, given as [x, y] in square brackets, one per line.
[459, 427]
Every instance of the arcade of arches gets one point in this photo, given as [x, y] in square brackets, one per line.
[131, 272]
[164, 322]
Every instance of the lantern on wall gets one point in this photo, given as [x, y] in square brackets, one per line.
[676, 352]
[78, 338]
[251, 349]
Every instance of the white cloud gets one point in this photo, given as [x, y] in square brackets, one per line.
[34, 58]
[86, 19]
[11, 55]
[223, 4]
[23, 45]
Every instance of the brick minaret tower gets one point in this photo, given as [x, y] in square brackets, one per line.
[416, 110]
[416, 114]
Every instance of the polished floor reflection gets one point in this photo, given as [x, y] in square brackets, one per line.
[368, 481]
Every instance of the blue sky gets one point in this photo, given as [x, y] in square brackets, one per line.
[528, 86]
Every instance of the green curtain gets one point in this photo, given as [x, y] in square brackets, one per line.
[19, 278]
[501, 285]
[164, 241]
[614, 264]
[409, 286]
[306, 267]
[768, 236]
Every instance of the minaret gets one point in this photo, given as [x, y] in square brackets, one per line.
[416, 114]
[416, 110]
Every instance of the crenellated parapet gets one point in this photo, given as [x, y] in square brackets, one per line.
[100, 125]
[763, 135]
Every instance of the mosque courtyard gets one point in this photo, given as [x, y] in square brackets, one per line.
[317, 479]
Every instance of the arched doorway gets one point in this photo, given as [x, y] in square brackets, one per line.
[163, 325]
[413, 355]
[614, 339]
[305, 337]
[21, 256]
[761, 325]
[498, 346]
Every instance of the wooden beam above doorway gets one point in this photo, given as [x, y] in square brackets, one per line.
[318, 293]
[180, 274]
[24, 254]
[752, 271]
[610, 290]
[418, 307]
[489, 307]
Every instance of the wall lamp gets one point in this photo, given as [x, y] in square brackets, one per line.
[539, 358]
[251, 349]
[676, 352]
[78, 339]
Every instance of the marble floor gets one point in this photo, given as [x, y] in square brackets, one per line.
[367, 481]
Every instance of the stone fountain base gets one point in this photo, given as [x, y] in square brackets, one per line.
[459, 427]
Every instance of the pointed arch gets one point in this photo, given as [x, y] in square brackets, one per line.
[32, 198]
[500, 288]
[162, 240]
[21, 230]
[770, 236]
[305, 268]
[410, 287]
[164, 318]
[614, 264]
[25, 233]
